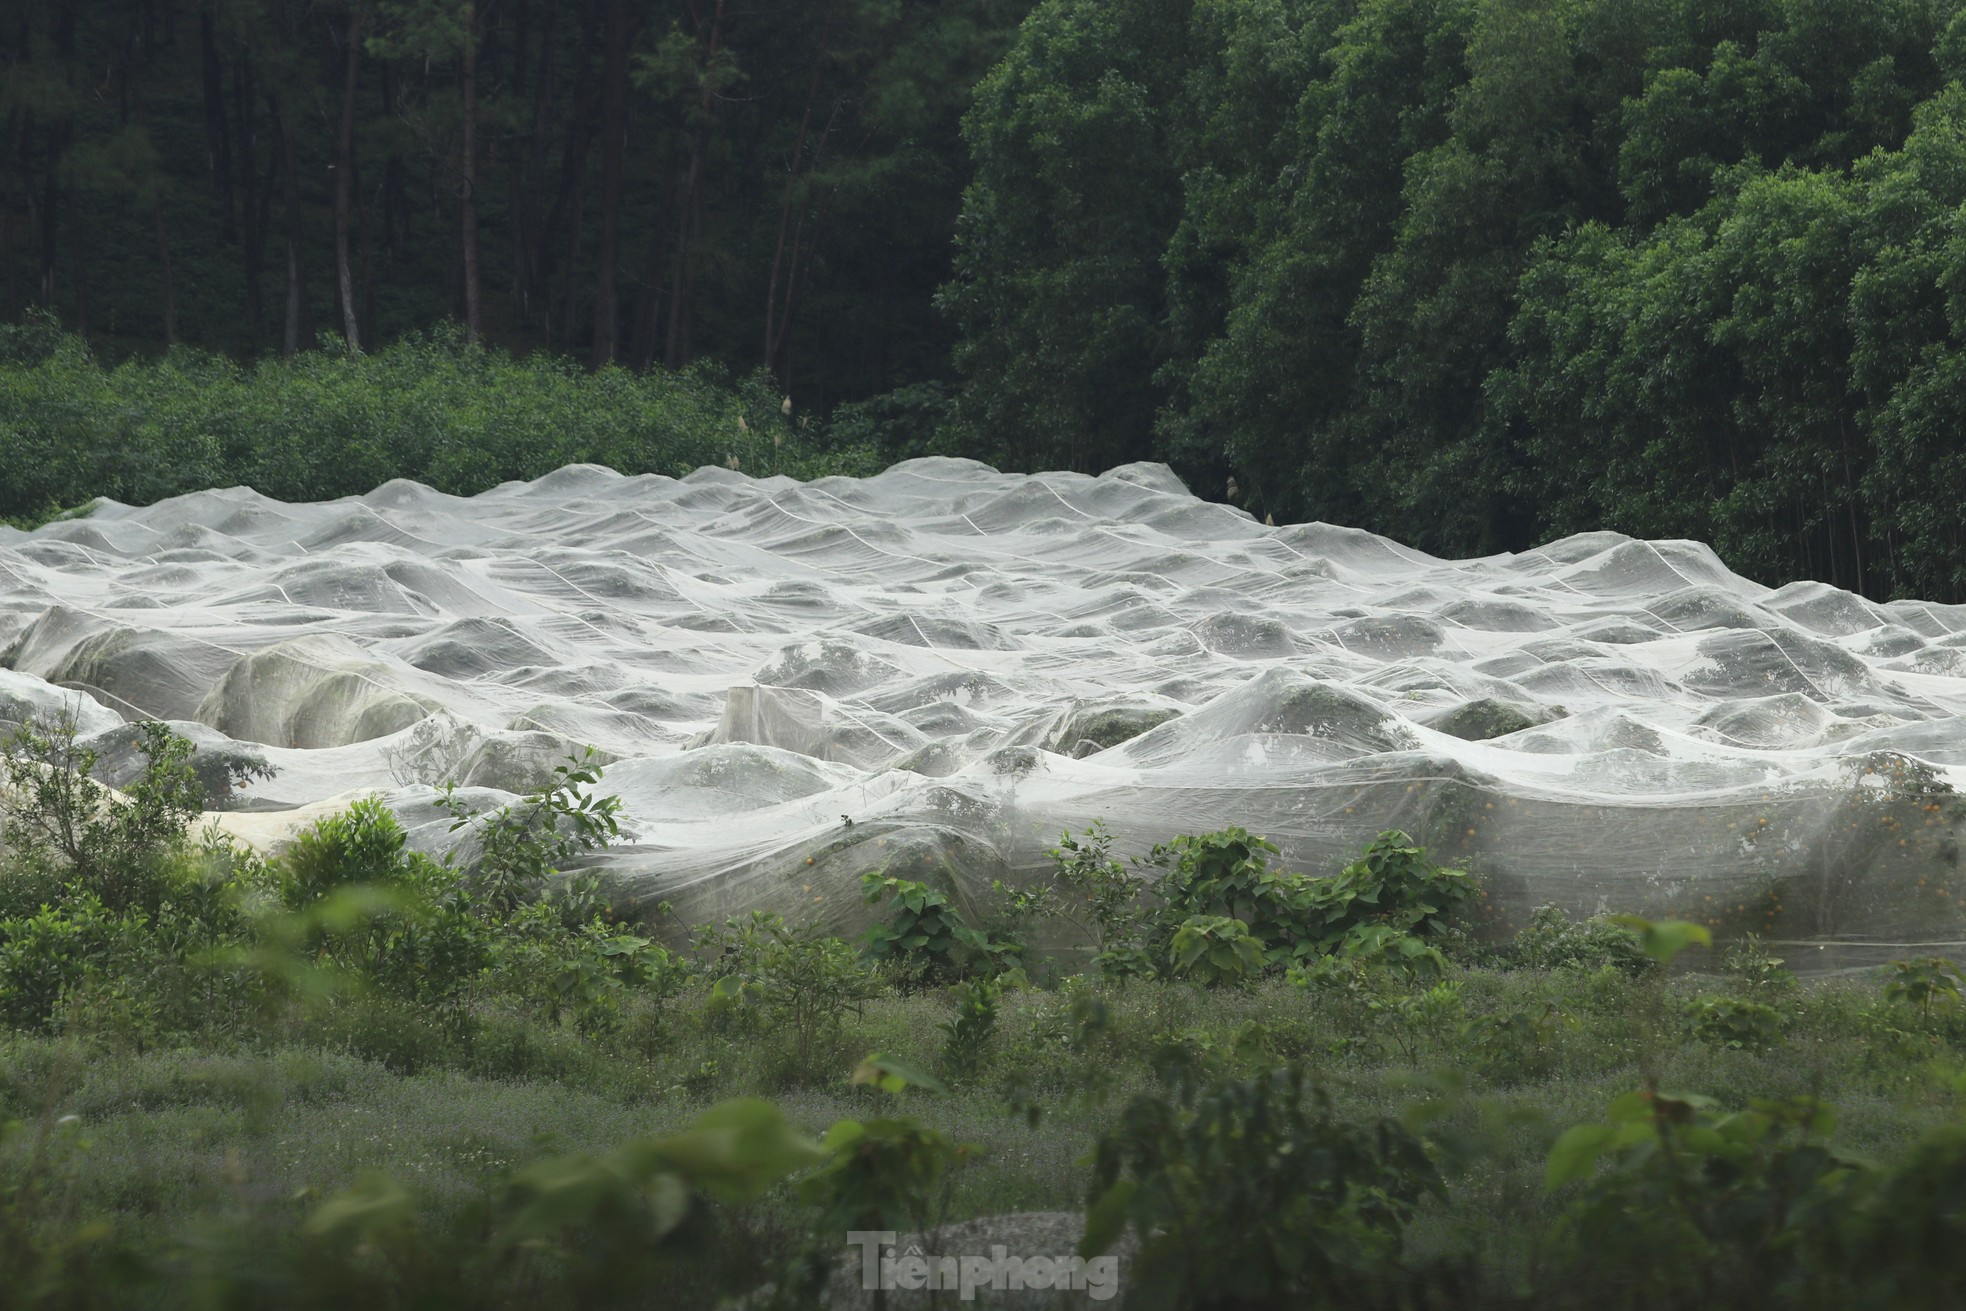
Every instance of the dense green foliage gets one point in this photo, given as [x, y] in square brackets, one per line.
[1472, 273]
[754, 183]
[1208, 907]
[355, 1074]
[321, 424]
[1475, 273]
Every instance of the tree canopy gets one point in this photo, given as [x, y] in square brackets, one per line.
[1471, 273]
[1476, 273]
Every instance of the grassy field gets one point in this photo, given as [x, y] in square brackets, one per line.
[183, 1140]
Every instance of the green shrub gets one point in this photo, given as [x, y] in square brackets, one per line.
[1516, 1045]
[523, 848]
[56, 812]
[889, 1173]
[1758, 972]
[397, 1034]
[422, 943]
[1255, 1193]
[1921, 983]
[432, 407]
[1213, 950]
[1733, 1022]
[1095, 894]
[1391, 894]
[774, 977]
[1550, 941]
[53, 1254]
[573, 1229]
[46, 955]
[1222, 875]
[1391, 885]
[967, 1034]
[1692, 1206]
[925, 937]
[1392, 891]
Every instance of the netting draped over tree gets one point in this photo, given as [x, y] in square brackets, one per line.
[937, 670]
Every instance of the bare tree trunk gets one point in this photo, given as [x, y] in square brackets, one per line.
[529, 158]
[368, 259]
[80, 262]
[570, 277]
[50, 207]
[567, 197]
[7, 227]
[218, 132]
[7, 262]
[61, 133]
[395, 206]
[351, 325]
[683, 277]
[642, 352]
[614, 133]
[773, 335]
[295, 322]
[252, 206]
[295, 326]
[1850, 493]
[795, 281]
[170, 283]
[467, 207]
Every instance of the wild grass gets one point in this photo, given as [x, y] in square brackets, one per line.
[171, 1138]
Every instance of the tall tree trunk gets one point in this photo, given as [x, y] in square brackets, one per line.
[642, 352]
[526, 155]
[395, 206]
[7, 261]
[170, 283]
[78, 275]
[292, 336]
[614, 134]
[218, 132]
[773, 334]
[368, 259]
[251, 214]
[566, 207]
[467, 208]
[50, 206]
[27, 185]
[1851, 496]
[351, 325]
[570, 277]
[294, 325]
[683, 278]
[515, 189]
[252, 209]
[795, 279]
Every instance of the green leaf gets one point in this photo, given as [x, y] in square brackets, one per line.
[1664, 939]
[1105, 1219]
[376, 1201]
[892, 1076]
[737, 1149]
[1576, 1154]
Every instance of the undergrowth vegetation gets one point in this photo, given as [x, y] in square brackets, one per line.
[358, 1073]
[320, 424]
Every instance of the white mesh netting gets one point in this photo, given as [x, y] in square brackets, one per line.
[964, 663]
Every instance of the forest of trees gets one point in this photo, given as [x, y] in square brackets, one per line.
[1471, 273]
[764, 182]
[1477, 273]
